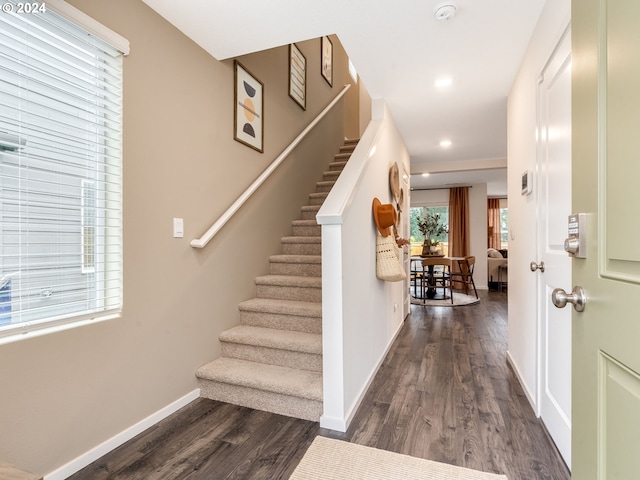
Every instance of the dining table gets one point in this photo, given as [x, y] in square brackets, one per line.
[431, 261]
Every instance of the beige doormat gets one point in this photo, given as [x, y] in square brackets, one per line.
[329, 459]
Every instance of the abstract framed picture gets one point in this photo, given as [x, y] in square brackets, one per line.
[326, 56]
[249, 108]
[297, 76]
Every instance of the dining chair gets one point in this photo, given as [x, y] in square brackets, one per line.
[437, 272]
[464, 273]
[416, 277]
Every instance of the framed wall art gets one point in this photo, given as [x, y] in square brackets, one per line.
[249, 108]
[326, 56]
[297, 76]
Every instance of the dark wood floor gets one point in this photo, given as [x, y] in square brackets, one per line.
[444, 392]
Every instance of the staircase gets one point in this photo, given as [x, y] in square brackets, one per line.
[272, 361]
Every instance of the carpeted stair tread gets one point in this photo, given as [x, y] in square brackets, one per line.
[337, 166]
[272, 338]
[302, 245]
[282, 307]
[273, 360]
[310, 208]
[301, 239]
[309, 212]
[295, 258]
[259, 376]
[289, 281]
[324, 186]
[305, 223]
[318, 195]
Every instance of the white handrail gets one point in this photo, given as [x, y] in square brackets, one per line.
[226, 216]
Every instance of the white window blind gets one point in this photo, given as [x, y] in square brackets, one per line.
[60, 173]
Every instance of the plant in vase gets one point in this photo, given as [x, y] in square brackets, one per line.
[433, 230]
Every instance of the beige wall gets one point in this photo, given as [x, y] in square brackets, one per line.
[64, 393]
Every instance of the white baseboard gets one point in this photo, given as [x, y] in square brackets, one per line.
[524, 386]
[114, 442]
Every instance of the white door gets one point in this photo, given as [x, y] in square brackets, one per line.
[554, 206]
[606, 167]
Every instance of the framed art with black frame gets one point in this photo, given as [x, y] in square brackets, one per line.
[326, 56]
[297, 76]
[248, 112]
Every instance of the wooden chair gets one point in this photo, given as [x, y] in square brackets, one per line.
[436, 277]
[416, 277]
[464, 273]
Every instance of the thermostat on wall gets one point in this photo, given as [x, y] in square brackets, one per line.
[527, 182]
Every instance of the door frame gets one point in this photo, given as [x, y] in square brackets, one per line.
[556, 61]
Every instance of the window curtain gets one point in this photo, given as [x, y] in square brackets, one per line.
[459, 242]
[493, 223]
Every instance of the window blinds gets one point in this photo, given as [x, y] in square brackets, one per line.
[60, 172]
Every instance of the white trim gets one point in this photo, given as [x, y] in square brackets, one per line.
[528, 394]
[114, 442]
[94, 27]
[23, 331]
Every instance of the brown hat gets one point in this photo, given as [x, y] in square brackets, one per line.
[385, 216]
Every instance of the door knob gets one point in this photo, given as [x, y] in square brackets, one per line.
[560, 298]
[534, 266]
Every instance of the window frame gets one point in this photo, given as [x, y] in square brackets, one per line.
[107, 308]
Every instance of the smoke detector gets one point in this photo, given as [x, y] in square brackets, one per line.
[446, 11]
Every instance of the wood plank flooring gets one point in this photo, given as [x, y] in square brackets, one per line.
[444, 392]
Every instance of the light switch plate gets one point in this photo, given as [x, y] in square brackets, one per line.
[178, 228]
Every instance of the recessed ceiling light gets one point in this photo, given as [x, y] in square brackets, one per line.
[445, 143]
[425, 174]
[443, 82]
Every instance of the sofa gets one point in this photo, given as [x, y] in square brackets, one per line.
[495, 260]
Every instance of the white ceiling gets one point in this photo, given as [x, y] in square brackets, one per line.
[399, 49]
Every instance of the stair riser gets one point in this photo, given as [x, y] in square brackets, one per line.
[301, 294]
[302, 248]
[261, 400]
[296, 269]
[309, 214]
[337, 166]
[273, 356]
[307, 230]
[324, 187]
[330, 176]
[317, 200]
[280, 321]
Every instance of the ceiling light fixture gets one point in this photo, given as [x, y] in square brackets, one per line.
[425, 174]
[445, 11]
[443, 82]
[445, 143]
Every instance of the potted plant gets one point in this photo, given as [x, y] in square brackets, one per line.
[433, 229]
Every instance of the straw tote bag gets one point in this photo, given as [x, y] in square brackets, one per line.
[388, 260]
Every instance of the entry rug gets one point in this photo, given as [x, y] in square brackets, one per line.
[329, 459]
[458, 300]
